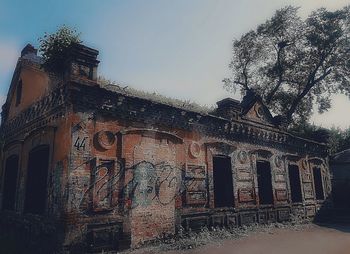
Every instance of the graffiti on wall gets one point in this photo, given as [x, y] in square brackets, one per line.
[55, 186]
[148, 182]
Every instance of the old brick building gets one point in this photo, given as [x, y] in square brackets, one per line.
[109, 168]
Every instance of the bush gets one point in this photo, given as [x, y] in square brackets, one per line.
[54, 48]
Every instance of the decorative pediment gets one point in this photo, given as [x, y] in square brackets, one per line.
[29, 84]
[255, 110]
[258, 113]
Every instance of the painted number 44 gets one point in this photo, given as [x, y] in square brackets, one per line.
[80, 143]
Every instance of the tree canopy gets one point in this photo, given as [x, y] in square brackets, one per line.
[337, 139]
[294, 63]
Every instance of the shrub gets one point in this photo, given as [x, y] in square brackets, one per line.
[54, 48]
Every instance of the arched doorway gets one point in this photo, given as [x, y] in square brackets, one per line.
[10, 183]
[36, 187]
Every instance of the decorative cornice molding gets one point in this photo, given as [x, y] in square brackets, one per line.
[136, 109]
[38, 114]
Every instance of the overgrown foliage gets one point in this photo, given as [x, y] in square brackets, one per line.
[185, 240]
[293, 63]
[156, 97]
[54, 48]
[339, 140]
[313, 132]
[336, 139]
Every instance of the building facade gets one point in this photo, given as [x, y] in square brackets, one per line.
[112, 169]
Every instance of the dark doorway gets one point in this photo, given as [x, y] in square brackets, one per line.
[294, 183]
[318, 184]
[223, 185]
[37, 171]
[264, 182]
[10, 183]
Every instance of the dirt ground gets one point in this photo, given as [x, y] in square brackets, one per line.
[310, 239]
[331, 239]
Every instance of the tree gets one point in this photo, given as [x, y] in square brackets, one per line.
[293, 63]
[54, 48]
[338, 140]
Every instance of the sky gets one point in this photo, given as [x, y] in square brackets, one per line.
[180, 49]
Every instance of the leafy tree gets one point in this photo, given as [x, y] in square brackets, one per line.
[294, 63]
[338, 140]
[311, 131]
[54, 48]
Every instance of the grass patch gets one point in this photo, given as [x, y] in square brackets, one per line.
[185, 240]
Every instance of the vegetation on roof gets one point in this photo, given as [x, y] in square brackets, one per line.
[155, 97]
[54, 48]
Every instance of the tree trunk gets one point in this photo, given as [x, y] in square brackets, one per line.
[296, 102]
